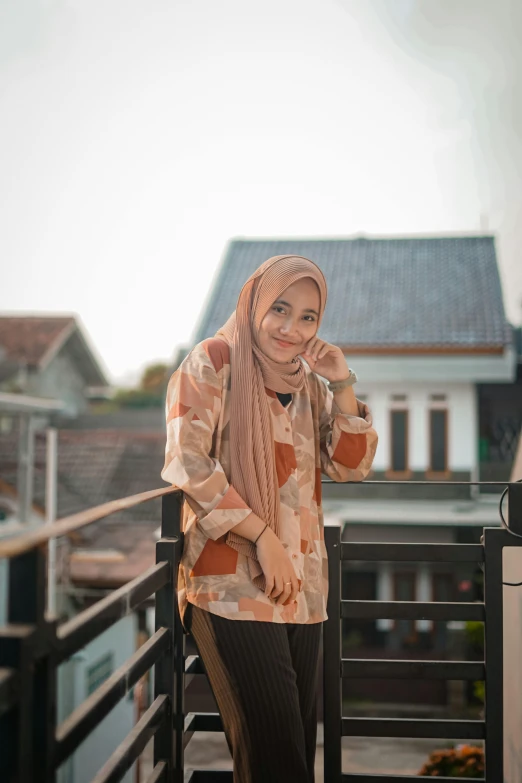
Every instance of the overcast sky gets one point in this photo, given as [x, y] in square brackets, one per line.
[136, 138]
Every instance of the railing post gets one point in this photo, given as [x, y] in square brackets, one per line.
[169, 670]
[28, 651]
[515, 507]
[494, 654]
[332, 682]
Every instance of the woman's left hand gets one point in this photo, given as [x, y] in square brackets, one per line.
[326, 360]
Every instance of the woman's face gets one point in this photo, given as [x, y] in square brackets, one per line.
[291, 321]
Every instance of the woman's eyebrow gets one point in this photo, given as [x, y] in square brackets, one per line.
[287, 304]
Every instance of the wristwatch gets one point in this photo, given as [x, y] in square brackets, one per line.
[336, 386]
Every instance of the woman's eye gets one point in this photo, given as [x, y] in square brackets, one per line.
[278, 309]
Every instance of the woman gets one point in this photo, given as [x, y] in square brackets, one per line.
[249, 431]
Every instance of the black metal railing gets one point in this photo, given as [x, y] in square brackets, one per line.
[32, 746]
[490, 611]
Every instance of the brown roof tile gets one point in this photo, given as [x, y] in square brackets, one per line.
[28, 338]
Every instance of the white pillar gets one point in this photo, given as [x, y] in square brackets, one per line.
[475, 464]
[384, 593]
[25, 468]
[50, 516]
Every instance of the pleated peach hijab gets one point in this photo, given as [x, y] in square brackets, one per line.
[252, 456]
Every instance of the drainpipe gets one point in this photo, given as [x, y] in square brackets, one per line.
[25, 467]
[50, 515]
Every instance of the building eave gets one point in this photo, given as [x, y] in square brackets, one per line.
[24, 403]
[456, 513]
[428, 350]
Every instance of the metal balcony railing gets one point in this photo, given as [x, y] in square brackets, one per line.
[32, 746]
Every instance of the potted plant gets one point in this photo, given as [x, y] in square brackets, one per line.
[463, 762]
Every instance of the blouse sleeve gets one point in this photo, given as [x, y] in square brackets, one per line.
[192, 411]
[348, 443]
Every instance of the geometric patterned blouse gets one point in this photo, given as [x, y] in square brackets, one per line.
[212, 575]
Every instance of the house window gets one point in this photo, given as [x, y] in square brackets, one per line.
[98, 672]
[438, 441]
[399, 441]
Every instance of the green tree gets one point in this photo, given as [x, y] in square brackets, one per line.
[154, 378]
[151, 390]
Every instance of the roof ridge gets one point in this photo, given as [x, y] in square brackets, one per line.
[362, 236]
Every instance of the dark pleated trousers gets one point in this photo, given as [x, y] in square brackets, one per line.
[264, 679]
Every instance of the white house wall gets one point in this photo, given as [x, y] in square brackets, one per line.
[462, 421]
[120, 640]
[473, 368]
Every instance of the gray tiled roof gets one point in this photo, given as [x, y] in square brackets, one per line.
[442, 291]
[94, 467]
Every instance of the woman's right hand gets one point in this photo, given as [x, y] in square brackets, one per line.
[282, 584]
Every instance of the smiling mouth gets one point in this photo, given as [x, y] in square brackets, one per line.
[284, 343]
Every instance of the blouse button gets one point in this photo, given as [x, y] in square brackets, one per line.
[294, 556]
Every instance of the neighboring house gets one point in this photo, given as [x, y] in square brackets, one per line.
[46, 368]
[422, 322]
[49, 356]
[100, 458]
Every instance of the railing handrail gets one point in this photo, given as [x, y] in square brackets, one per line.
[426, 483]
[19, 545]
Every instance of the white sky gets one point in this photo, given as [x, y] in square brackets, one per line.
[136, 138]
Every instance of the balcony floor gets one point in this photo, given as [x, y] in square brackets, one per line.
[360, 754]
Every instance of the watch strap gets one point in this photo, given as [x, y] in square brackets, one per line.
[336, 386]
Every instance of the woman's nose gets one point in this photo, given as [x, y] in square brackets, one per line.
[288, 327]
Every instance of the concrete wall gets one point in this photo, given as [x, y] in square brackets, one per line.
[512, 572]
[120, 640]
